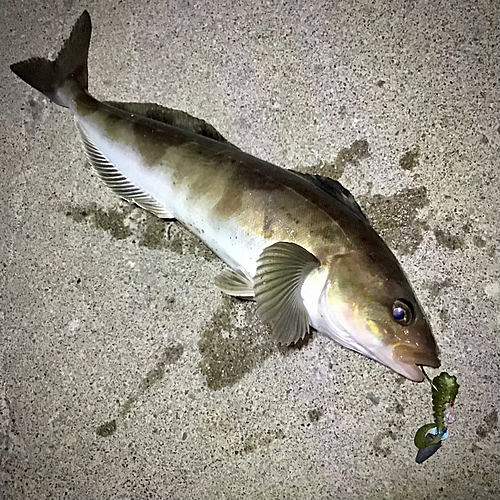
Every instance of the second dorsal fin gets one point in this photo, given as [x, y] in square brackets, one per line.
[169, 116]
[336, 190]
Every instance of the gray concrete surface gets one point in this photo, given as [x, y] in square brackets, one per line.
[126, 374]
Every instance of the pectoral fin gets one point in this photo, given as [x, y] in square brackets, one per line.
[235, 284]
[281, 271]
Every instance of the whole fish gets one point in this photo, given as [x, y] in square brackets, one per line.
[298, 244]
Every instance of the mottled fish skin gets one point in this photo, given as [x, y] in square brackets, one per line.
[236, 203]
[300, 243]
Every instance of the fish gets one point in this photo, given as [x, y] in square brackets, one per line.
[299, 245]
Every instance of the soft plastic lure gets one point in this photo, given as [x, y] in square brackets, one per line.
[429, 436]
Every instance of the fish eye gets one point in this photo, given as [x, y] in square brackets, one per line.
[402, 312]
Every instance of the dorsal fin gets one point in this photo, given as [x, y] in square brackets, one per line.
[169, 116]
[336, 190]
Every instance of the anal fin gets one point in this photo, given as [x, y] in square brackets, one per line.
[118, 183]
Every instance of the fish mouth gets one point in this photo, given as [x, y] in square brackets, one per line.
[408, 358]
[406, 354]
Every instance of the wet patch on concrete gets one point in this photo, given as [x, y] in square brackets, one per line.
[489, 425]
[154, 234]
[382, 443]
[11, 441]
[230, 350]
[107, 429]
[435, 287]
[479, 242]
[183, 242]
[409, 160]
[315, 414]
[261, 440]
[394, 217]
[357, 151]
[36, 107]
[300, 344]
[444, 315]
[166, 357]
[144, 228]
[451, 241]
[34, 117]
[109, 220]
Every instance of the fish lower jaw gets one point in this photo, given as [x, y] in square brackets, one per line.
[372, 348]
[410, 371]
[384, 354]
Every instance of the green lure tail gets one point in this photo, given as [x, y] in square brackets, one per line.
[444, 393]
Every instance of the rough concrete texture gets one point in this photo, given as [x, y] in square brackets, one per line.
[126, 374]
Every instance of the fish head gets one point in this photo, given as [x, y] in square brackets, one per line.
[368, 305]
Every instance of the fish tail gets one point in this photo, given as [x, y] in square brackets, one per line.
[60, 79]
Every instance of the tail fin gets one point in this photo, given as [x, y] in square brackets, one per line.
[70, 64]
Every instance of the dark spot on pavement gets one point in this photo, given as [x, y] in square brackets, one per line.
[183, 242]
[395, 217]
[151, 232]
[479, 242]
[358, 150]
[229, 351]
[489, 425]
[107, 429]
[409, 160]
[375, 400]
[382, 443]
[153, 236]
[171, 235]
[435, 287]
[315, 414]
[110, 220]
[451, 241]
[444, 315]
[68, 4]
[300, 344]
[261, 439]
[36, 109]
[167, 356]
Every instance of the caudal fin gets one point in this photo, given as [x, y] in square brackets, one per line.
[70, 65]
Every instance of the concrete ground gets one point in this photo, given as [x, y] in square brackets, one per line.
[126, 374]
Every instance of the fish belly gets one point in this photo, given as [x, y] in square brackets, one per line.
[186, 183]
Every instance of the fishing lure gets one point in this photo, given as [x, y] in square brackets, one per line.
[429, 436]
